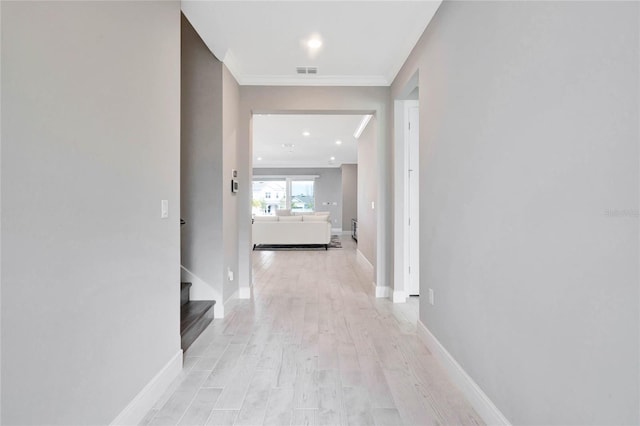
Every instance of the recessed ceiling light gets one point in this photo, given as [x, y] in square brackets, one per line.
[332, 158]
[259, 158]
[305, 133]
[314, 43]
[338, 142]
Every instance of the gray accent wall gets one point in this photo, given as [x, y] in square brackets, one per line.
[230, 109]
[349, 194]
[201, 158]
[90, 147]
[208, 156]
[327, 187]
[529, 200]
[367, 193]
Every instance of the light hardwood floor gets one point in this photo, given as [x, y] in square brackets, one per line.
[312, 347]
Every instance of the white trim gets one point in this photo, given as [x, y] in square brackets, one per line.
[470, 389]
[363, 124]
[311, 80]
[399, 297]
[244, 293]
[382, 292]
[135, 411]
[364, 258]
[336, 231]
[201, 290]
[347, 232]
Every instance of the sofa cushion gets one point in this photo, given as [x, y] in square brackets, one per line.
[315, 218]
[265, 219]
[283, 212]
[290, 218]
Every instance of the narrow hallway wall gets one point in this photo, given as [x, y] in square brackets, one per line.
[90, 147]
[528, 199]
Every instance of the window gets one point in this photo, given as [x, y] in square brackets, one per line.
[283, 193]
[302, 197]
[262, 203]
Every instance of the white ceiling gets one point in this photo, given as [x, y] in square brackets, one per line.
[262, 42]
[270, 132]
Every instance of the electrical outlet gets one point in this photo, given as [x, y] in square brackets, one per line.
[164, 209]
[230, 274]
[431, 297]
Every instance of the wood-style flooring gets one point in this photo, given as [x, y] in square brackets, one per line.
[312, 347]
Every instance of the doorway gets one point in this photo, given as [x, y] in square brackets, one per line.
[407, 193]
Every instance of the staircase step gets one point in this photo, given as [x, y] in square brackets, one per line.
[184, 293]
[195, 317]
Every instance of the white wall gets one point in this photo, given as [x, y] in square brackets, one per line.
[283, 99]
[327, 187]
[90, 145]
[529, 140]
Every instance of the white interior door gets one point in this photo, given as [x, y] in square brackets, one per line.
[413, 222]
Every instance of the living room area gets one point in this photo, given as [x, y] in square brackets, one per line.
[307, 186]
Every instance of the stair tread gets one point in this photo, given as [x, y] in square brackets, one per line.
[193, 311]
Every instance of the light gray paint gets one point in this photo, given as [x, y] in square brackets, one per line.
[201, 181]
[327, 187]
[529, 197]
[90, 146]
[349, 195]
[230, 106]
[283, 99]
[0, 214]
[367, 193]
[208, 148]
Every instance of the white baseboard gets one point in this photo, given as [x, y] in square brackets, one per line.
[399, 297]
[144, 401]
[381, 291]
[244, 293]
[470, 389]
[336, 231]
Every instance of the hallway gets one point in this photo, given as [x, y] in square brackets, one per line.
[313, 347]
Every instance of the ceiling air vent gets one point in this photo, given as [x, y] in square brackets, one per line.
[307, 70]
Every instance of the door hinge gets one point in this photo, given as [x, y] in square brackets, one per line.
[409, 269]
[409, 221]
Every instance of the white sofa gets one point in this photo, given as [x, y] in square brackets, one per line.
[292, 230]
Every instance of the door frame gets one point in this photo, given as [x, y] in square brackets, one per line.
[402, 235]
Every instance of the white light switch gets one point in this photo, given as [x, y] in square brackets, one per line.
[164, 209]
[373, 205]
[431, 297]
[230, 274]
